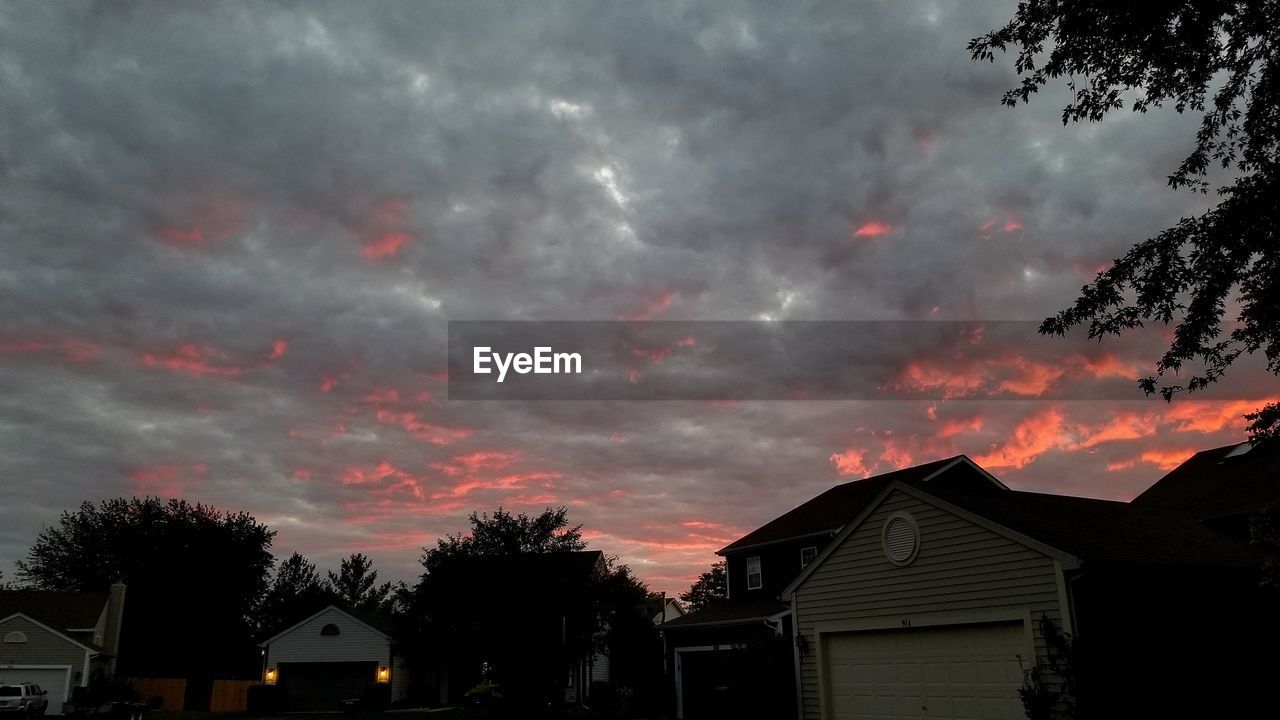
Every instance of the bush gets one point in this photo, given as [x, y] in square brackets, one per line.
[264, 699]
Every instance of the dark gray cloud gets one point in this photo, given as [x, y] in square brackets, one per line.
[231, 237]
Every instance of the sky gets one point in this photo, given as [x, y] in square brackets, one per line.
[232, 236]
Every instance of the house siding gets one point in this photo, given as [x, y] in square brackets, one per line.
[960, 567]
[355, 642]
[41, 648]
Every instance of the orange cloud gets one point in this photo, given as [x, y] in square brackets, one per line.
[1034, 436]
[1211, 416]
[195, 360]
[960, 425]
[468, 463]
[852, 462]
[206, 361]
[1163, 459]
[897, 456]
[952, 381]
[166, 479]
[278, 349]
[652, 305]
[1126, 426]
[214, 219]
[76, 351]
[873, 228]
[385, 246]
[413, 423]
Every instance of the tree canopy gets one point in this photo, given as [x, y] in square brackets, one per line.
[295, 592]
[1214, 57]
[502, 534]
[179, 561]
[710, 587]
[355, 585]
[506, 596]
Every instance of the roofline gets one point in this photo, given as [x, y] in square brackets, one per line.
[322, 611]
[714, 623]
[957, 460]
[55, 631]
[779, 541]
[1069, 561]
[969, 461]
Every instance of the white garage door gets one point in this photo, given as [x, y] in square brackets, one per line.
[52, 679]
[957, 672]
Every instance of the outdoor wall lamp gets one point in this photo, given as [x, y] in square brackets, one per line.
[271, 676]
[802, 643]
[384, 674]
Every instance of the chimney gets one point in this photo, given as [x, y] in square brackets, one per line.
[115, 618]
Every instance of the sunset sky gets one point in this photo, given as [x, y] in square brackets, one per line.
[231, 237]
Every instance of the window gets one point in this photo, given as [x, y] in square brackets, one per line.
[755, 580]
[330, 629]
[807, 555]
[15, 637]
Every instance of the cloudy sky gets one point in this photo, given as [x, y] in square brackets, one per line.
[232, 235]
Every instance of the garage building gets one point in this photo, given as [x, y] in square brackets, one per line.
[329, 657]
[934, 603]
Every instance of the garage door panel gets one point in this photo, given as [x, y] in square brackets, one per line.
[52, 679]
[957, 672]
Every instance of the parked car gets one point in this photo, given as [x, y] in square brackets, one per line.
[25, 697]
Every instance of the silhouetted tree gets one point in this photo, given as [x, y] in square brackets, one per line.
[507, 594]
[296, 592]
[1215, 57]
[626, 633]
[505, 534]
[709, 588]
[355, 585]
[194, 575]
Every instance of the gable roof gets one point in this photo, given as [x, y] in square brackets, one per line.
[88, 646]
[1105, 530]
[1224, 481]
[1070, 529]
[57, 609]
[322, 611]
[831, 510]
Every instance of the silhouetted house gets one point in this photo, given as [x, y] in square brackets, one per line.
[1225, 487]
[934, 601]
[331, 656]
[736, 656]
[59, 640]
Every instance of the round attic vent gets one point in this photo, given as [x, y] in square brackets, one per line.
[330, 629]
[901, 538]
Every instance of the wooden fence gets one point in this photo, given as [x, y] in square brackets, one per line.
[227, 696]
[230, 695]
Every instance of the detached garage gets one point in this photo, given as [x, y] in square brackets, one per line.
[933, 604]
[330, 657]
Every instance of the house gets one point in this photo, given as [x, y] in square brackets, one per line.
[1224, 487]
[331, 656]
[663, 609]
[936, 601]
[59, 640]
[735, 657]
